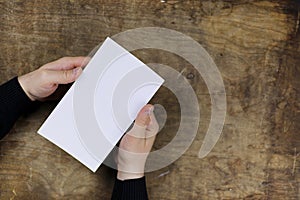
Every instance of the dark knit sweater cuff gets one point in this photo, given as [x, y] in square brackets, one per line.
[14, 102]
[133, 189]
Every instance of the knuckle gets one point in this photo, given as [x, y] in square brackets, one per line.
[66, 75]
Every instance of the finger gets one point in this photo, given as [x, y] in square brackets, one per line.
[61, 77]
[152, 128]
[143, 117]
[67, 63]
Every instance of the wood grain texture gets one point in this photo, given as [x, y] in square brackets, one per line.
[256, 46]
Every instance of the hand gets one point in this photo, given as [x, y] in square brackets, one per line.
[43, 82]
[136, 145]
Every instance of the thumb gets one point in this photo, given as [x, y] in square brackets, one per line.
[143, 117]
[153, 127]
[141, 122]
[62, 76]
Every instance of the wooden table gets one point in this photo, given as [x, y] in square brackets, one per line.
[256, 46]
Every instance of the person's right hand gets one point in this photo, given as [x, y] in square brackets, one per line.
[136, 145]
[43, 82]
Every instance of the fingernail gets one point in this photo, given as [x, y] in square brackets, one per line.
[148, 113]
[76, 71]
[149, 110]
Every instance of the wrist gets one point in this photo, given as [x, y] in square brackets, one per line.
[127, 176]
[23, 84]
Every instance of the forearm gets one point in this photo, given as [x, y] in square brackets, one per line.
[133, 189]
[13, 102]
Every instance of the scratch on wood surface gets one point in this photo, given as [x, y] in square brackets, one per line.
[163, 174]
[295, 159]
[262, 119]
[181, 72]
[30, 174]
[297, 23]
[291, 185]
[15, 194]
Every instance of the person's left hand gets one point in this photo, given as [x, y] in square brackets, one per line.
[43, 82]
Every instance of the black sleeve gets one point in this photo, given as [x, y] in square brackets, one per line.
[13, 102]
[134, 189]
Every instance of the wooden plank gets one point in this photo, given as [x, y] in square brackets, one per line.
[255, 45]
